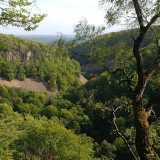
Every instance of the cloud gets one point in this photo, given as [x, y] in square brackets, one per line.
[63, 15]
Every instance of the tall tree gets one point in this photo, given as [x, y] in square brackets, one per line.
[18, 13]
[141, 14]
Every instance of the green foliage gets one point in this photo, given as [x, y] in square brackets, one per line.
[8, 131]
[155, 132]
[5, 109]
[49, 139]
[105, 150]
[105, 49]
[22, 136]
[40, 138]
[72, 115]
[47, 63]
[55, 135]
[8, 70]
[87, 32]
[20, 73]
[121, 9]
[50, 111]
[17, 13]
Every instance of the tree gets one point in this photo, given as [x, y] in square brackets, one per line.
[143, 15]
[16, 13]
[49, 139]
[50, 111]
[8, 130]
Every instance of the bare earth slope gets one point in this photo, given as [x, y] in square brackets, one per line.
[28, 84]
[83, 79]
[33, 84]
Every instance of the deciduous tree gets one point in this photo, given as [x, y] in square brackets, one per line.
[143, 15]
[18, 13]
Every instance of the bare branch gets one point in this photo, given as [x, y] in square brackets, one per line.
[153, 19]
[128, 79]
[152, 69]
[132, 38]
[156, 36]
[119, 133]
[150, 112]
[149, 106]
[153, 101]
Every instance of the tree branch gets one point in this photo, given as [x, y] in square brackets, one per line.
[13, 20]
[138, 12]
[143, 78]
[149, 106]
[153, 19]
[128, 79]
[119, 133]
[151, 70]
[139, 58]
[132, 37]
[153, 101]
[150, 112]
[156, 36]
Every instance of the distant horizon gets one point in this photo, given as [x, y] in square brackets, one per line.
[62, 16]
[42, 35]
[46, 38]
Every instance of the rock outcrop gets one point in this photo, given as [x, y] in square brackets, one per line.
[17, 55]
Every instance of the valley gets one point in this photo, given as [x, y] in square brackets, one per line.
[89, 94]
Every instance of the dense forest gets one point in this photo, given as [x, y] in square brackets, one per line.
[74, 123]
[21, 58]
[113, 116]
[110, 41]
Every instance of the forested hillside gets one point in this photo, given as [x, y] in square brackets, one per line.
[110, 41]
[112, 116]
[25, 115]
[21, 58]
[79, 117]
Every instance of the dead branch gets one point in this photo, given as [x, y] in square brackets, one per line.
[149, 106]
[120, 134]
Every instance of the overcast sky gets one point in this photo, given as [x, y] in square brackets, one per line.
[62, 15]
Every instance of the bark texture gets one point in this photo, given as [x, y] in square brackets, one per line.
[143, 136]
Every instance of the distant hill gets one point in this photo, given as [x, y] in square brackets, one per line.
[49, 39]
[110, 40]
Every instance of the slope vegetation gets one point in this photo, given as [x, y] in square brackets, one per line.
[21, 58]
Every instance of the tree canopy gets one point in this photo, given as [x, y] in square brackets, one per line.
[119, 11]
[18, 13]
[128, 63]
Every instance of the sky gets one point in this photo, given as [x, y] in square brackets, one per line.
[62, 16]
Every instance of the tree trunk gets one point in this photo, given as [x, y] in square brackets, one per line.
[143, 136]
